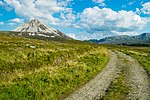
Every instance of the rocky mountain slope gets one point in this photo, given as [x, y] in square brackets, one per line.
[125, 39]
[35, 28]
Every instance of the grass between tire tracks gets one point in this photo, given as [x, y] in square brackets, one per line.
[142, 54]
[118, 89]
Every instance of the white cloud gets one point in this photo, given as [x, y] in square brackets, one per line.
[1, 3]
[100, 20]
[11, 24]
[44, 10]
[93, 20]
[100, 2]
[4, 5]
[132, 2]
[72, 35]
[146, 8]
[1, 23]
[125, 33]
[16, 20]
[137, 11]
[96, 35]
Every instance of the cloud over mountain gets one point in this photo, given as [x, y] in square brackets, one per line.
[41, 9]
[96, 18]
[105, 19]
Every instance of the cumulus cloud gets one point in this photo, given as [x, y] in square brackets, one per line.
[16, 20]
[146, 8]
[105, 19]
[1, 23]
[44, 10]
[138, 11]
[92, 20]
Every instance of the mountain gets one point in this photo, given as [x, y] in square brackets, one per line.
[125, 39]
[35, 28]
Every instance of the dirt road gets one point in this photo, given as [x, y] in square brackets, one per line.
[138, 80]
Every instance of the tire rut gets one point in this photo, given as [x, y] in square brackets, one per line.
[137, 80]
[97, 86]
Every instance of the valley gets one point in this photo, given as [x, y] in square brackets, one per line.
[42, 63]
[71, 70]
[74, 50]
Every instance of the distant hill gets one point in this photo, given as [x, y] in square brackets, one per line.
[37, 29]
[125, 39]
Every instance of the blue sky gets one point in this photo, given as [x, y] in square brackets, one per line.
[81, 19]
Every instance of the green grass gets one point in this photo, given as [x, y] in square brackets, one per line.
[119, 88]
[141, 54]
[51, 70]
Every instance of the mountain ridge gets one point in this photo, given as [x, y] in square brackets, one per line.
[143, 38]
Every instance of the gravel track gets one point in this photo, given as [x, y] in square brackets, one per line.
[138, 80]
[97, 86]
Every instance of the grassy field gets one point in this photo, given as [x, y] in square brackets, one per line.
[36, 69]
[142, 54]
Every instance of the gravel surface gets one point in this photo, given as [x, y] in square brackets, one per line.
[97, 86]
[138, 80]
